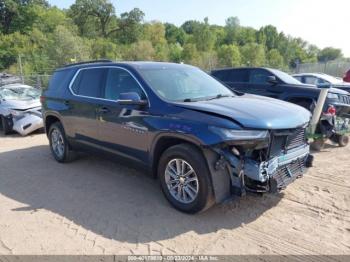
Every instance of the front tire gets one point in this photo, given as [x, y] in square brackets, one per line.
[5, 128]
[59, 144]
[185, 179]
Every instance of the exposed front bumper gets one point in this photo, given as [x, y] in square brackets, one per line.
[269, 176]
[28, 122]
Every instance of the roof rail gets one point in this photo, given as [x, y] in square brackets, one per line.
[89, 62]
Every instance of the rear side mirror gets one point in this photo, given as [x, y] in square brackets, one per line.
[131, 98]
[272, 80]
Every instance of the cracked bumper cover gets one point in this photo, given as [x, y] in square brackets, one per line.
[27, 123]
[269, 176]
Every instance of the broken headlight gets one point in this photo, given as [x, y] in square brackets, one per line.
[239, 135]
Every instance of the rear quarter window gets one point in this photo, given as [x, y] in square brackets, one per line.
[59, 82]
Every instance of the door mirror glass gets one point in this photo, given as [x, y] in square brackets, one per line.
[131, 98]
[272, 80]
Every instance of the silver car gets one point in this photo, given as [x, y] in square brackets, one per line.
[20, 109]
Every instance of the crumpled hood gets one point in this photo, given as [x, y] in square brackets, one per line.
[20, 104]
[256, 112]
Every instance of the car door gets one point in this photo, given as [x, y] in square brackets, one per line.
[81, 118]
[123, 128]
[259, 83]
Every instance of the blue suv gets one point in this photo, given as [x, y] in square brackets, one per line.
[203, 141]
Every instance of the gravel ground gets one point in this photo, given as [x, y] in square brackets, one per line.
[97, 206]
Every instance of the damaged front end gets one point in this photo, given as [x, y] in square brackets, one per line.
[26, 121]
[265, 164]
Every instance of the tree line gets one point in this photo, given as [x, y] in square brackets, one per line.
[44, 37]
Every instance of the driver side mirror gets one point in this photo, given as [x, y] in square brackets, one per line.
[131, 98]
[272, 80]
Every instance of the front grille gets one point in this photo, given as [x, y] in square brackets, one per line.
[287, 174]
[297, 139]
[284, 140]
[345, 99]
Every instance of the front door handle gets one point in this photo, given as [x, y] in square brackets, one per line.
[103, 110]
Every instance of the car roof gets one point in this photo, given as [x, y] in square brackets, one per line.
[133, 64]
[236, 68]
[310, 74]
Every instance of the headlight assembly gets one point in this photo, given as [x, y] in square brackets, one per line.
[237, 135]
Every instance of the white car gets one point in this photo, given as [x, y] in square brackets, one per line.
[20, 109]
[322, 79]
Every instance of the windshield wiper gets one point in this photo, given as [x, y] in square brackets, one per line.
[219, 96]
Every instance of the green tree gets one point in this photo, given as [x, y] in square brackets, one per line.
[329, 54]
[18, 15]
[142, 50]
[130, 27]
[253, 54]
[102, 48]
[155, 32]
[190, 26]
[174, 35]
[229, 56]
[175, 53]
[204, 37]
[232, 28]
[190, 53]
[65, 47]
[101, 10]
[275, 59]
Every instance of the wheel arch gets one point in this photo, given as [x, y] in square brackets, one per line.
[49, 120]
[164, 141]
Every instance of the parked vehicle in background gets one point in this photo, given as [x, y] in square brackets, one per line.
[320, 79]
[6, 79]
[347, 76]
[20, 109]
[203, 141]
[334, 122]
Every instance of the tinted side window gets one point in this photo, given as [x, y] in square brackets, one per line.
[120, 81]
[259, 76]
[221, 75]
[89, 82]
[238, 76]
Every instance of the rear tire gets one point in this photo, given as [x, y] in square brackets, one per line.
[185, 179]
[5, 128]
[342, 140]
[59, 145]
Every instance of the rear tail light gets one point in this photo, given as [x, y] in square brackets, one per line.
[42, 99]
[331, 111]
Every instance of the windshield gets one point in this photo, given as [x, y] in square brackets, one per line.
[19, 93]
[331, 79]
[285, 77]
[184, 84]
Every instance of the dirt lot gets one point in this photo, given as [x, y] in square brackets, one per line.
[96, 206]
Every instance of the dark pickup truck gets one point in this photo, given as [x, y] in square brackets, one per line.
[273, 83]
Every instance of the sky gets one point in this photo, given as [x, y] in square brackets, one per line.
[320, 22]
